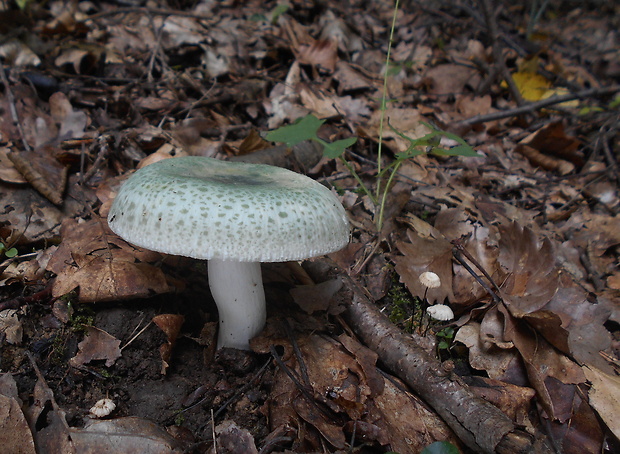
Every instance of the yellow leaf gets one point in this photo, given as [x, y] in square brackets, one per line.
[532, 86]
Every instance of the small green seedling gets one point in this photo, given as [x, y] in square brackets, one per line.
[9, 253]
[445, 337]
[307, 128]
[275, 14]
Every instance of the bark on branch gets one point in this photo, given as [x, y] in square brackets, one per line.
[478, 423]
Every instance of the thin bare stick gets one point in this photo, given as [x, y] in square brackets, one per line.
[531, 107]
[489, 15]
[12, 108]
[136, 336]
[143, 10]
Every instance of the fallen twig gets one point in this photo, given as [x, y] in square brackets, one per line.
[489, 16]
[13, 108]
[478, 423]
[533, 106]
[20, 301]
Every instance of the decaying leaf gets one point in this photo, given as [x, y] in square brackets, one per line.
[514, 401]
[550, 373]
[342, 385]
[532, 273]
[551, 149]
[430, 253]
[230, 438]
[11, 326]
[15, 435]
[317, 297]
[605, 397]
[102, 265]
[97, 345]
[52, 433]
[486, 354]
[171, 325]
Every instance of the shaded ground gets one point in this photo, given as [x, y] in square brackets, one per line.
[91, 91]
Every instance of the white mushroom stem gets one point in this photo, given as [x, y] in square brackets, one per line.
[237, 288]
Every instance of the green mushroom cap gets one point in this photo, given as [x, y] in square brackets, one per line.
[210, 209]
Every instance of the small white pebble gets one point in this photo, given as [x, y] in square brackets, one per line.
[440, 312]
[430, 279]
[102, 408]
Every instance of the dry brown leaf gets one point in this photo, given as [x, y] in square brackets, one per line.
[407, 121]
[538, 159]
[552, 140]
[324, 106]
[346, 383]
[42, 171]
[604, 397]
[232, 439]
[583, 433]
[584, 320]
[532, 275]
[613, 281]
[283, 104]
[15, 435]
[425, 254]
[97, 345]
[550, 373]
[30, 216]
[317, 419]
[350, 78]
[11, 326]
[102, 265]
[8, 172]
[451, 79]
[367, 359]
[514, 401]
[484, 354]
[322, 53]
[171, 325]
[105, 280]
[407, 422]
[72, 122]
[130, 435]
[470, 105]
[317, 297]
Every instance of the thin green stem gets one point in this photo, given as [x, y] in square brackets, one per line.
[384, 98]
[393, 171]
[359, 180]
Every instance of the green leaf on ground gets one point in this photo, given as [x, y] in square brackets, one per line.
[304, 129]
[335, 149]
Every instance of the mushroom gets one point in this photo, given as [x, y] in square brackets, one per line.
[235, 215]
[440, 312]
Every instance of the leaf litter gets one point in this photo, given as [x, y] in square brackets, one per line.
[524, 236]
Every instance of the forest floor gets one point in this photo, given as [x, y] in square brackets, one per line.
[486, 152]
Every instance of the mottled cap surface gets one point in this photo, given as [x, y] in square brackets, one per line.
[206, 208]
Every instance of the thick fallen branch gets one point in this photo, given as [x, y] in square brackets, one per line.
[478, 423]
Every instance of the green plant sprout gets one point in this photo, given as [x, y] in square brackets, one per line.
[280, 9]
[306, 128]
[8, 252]
[445, 338]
